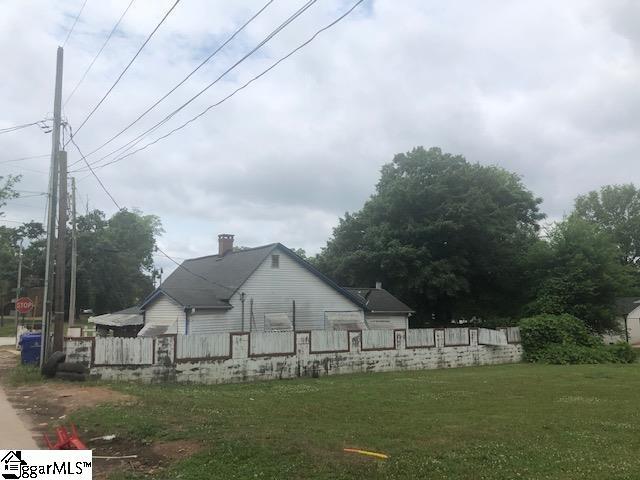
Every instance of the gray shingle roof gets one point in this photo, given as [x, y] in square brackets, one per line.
[379, 300]
[626, 305]
[209, 282]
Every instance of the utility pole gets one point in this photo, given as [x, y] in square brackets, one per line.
[19, 286]
[74, 256]
[51, 213]
[61, 255]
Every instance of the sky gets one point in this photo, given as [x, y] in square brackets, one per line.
[546, 89]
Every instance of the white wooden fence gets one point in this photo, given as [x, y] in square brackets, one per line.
[456, 336]
[329, 341]
[491, 337]
[149, 351]
[378, 339]
[123, 351]
[272, 343]
[421, 338]
[203, 346]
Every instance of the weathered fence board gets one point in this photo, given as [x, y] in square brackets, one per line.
[491, 337]
[378, 339]
[513, 335]
[272, 343]
[456, 336]
[124, 351]
[203, 346]
[421, 338]
[329, 341]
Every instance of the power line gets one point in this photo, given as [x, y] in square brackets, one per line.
[20, 127]
[74, 24]
[264, 72]
[125, 69]
[138, 139]
[20, 159]
[120, 208]
[94, 173]
[86, 72]
[206, 60]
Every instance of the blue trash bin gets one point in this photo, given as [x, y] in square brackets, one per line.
[30, 345]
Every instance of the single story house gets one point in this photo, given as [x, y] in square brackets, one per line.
[266, 288]
[124, 323]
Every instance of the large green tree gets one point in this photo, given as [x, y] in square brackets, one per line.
[615, 209]
[115, 259]
[578, 271]
[447, 236]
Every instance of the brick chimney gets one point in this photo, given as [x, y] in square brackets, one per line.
[378, 285]
[225, 244]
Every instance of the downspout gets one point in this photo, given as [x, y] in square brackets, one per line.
[187, 309]
[626, 328]
[242, 298]
[294, 315]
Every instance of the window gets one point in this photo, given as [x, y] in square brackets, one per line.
[275, 261]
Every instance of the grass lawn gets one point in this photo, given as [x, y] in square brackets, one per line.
[501, 422]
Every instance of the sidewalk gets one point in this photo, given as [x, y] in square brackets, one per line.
[15, 433]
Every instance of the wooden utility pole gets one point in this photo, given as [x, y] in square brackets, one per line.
[51, 213]
[18, 286]
[61, 255]
[74, 256]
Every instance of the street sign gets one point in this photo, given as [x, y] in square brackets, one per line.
[24, 305]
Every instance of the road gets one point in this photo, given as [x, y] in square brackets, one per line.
[15, 433]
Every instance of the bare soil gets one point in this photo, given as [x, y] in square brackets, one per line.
[47, 405]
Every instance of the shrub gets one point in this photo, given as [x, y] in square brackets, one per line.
[623, 352]
[564, 339]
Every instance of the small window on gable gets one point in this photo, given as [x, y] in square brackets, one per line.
[275, 261]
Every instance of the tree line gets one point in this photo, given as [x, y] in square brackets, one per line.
[459, 240]
[115, 256]
[453, 239]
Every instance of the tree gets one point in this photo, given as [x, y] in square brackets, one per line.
[579, 272]
[615, 209]
[447, 236]
[7, 190]
[115, 259]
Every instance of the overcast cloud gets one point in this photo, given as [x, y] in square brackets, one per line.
[547, 89]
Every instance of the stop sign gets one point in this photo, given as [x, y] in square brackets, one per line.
[24, 305]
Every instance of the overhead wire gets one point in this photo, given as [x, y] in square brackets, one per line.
[104, 97]
[20, 127]
[138, 139]
[86, 72]
[245, 85]
[20, 159]
[74, 24]
[179, 84]
[106, 190]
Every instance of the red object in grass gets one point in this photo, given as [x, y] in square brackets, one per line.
[66, 441]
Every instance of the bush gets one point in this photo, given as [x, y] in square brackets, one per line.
[623, 352]
[564, 339]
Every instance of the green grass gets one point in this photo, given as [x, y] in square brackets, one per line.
[23, 375]
[502, 422]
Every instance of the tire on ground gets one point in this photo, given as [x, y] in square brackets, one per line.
[71, 376]
[72, 367]
[51, 365]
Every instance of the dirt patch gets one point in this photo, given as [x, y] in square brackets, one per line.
[176, 449]
[71, 397]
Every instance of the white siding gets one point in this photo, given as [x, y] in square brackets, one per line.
[204, 322]
[273, 290]
[164, 311]
[383, 321]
